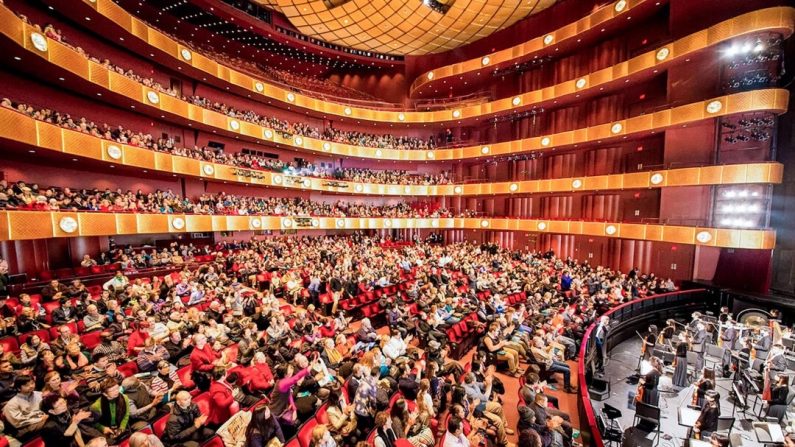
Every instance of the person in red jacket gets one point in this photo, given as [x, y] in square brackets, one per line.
[259, 376]
[226, 398]
[203, 358]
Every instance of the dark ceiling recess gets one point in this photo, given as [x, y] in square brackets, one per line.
[331, 4]
[440, 6]
[187, 13]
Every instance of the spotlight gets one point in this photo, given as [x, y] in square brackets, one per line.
[732, 51]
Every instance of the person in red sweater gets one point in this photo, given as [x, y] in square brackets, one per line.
[259, 376]
[226, 398]
[203, 358]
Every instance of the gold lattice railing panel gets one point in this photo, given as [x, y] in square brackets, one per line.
[18, 225]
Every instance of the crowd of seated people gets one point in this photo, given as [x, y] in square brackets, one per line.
[219, 339]
[22, 196]
[313, 84]
[330, 134]
[145, 140]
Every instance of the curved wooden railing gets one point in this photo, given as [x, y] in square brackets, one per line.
[779, 19]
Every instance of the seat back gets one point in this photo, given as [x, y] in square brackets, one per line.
[159, 427]
[725, 423]
[305, 433]
[714, 351]
[647, 412]
[10, 344]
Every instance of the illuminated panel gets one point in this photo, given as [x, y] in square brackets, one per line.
[45, 224]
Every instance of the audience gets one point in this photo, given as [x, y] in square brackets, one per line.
[301, 358]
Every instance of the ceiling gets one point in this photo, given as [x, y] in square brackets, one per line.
[404, 27]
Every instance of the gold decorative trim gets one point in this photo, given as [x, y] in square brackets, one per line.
[778, 18]
[16, 225]
[17, 127]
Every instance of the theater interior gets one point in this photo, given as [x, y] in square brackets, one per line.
[418, 223]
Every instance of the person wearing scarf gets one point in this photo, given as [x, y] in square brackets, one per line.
[112, 411]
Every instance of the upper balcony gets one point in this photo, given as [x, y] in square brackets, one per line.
[170, 52]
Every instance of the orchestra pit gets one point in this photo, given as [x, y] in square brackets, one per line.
[422, 223]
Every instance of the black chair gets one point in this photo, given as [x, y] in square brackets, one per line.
[649, 415]
[725, 424]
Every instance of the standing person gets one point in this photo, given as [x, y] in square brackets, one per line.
[601, 343]
[651, 395]
[697, 346]
[680, 379]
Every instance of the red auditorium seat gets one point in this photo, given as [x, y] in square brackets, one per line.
[46, 276]
[35, 442]
[43, 334]
[305, 433]
[10, 344]
[321, 416]
[91, 339]
[35, 298]
[159, 427]
[49, 307]
[128, 369]
[203, 401]
[184, 375]
[82, 271]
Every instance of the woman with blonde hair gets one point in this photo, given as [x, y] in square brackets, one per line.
[424, 398]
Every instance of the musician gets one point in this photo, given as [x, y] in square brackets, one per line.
[775, 363]
[702, 386]
[777, 405]
[707, 421]
[650, 342]
[698, 345]
[763, 345]
[693, 325]
[601, 342]
[680, 363]
[724, 316]
[729, 335]
[669, 331]
[650, 381]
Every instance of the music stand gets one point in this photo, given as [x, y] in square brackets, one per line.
[612, 432]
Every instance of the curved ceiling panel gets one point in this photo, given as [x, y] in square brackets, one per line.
[403, 27]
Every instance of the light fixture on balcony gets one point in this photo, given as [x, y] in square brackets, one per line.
[617, 128]
[620, 5]
[610, 230]
[358, 188]
[714, 106]
[580, 83]
[68, 224]
[545, 141]
[516, 100]
[340, 223]
[484, 223]
[348, 110]
[514, 187]
[704, 236]
[153, 97]
[234, 125]
[259, 87]
[576, 183]
[299, 141]
[456, 114]
[178, 223]
[656, 178]
[326, 146]
[291, 97]
[277, 179]
[185, 53]
[485, 60]
[401, 116]
[542, 226]
[267, 133]
[430, 155]
[255, 223]
[287, 222]
[485, 150]
[458, 189]
[114, 152]
[662, 54]
[430, 75]
[548, 39]
[208, 169]
[39, 41]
